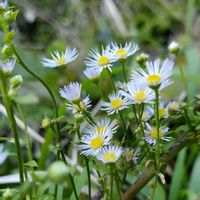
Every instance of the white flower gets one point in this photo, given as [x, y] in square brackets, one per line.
[156, 76]
[151, 134]
[100, 60]
[121, 85]
[104, 126]
[147, 114]
[93, 142]
[83, 105]
[138, 94]
[4, 4]
[71, 92]
[122, 52]
[163, 112]
[8, 66]
[59, 59]
[174, 47]
[110, 154]
[115, 104]
[93, 73]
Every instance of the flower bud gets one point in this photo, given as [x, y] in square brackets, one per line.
[9, 37]
[8, 194]
[142, 58]
[79, 117]
[12, 94]
[10, 16]
[16, 81]
[46, 123]
[173, 108]
[6, 50]
[174, 47]
[58, 172]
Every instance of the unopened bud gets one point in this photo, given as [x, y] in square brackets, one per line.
[6, 50]
[142, 58]
[58, 172]
[174, 47]
[16, 81]
[46, 123]
[10, 16]
[79, 117]
[137, 130]
[12, 94]
[8, 194]
[9, 37]
[173, 108]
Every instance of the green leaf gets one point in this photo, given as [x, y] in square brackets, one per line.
[195, 177]
[178, 176]
[80, 181]
[31, 163]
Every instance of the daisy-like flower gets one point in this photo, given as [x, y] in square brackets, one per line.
[156, 76]
[122, 52]
[4, 4]
[8, 66]
[71, 92]
[121, 85]
[163, 112]
[110, 154]
[147, 114]
[83, 105]
[93, 73]
[131, 154]
[138, 94]
[151, 134]
[93, 142]
[59, 59]
[104, 126]
[115, 104]
[100, 60]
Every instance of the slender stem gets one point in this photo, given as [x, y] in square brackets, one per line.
[88, 174]
[157, 128]
[11, 118]
[124, 124]
[135, 114]
[183, 78]
[73, 186]
[117, 183]
[111, 181]
[113, 84]
[124, 71]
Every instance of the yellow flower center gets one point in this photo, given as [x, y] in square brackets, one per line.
[154, 79]
[121, 53]
[139, 96]
[116, 103]
[96, 142]
[109, 157]
[154, 134]
[101, 129]
[162, 112]
[61, 60]
[103, 60]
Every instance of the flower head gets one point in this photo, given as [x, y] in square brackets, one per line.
[104, 126]
[93, 142]
[122, 52]
[59, 59]
[4, 4]
[131, 154]
[115, 104]
[93, 73]
[138, 94]
[100, 60]
[71, 92]
[8, 66]
[174, 47]
[156, 76]
[110, 154]
[151, 134]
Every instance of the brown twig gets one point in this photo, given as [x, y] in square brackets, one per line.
[150, 172]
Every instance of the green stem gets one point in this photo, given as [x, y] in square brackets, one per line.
[124, 71]
[88, 175]
[124, 124]
[183, 78]
[73, 186]
[11, 118]
[117, 183]
[113, 84]
[157, 128]
[135, 114]
[111, 181]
